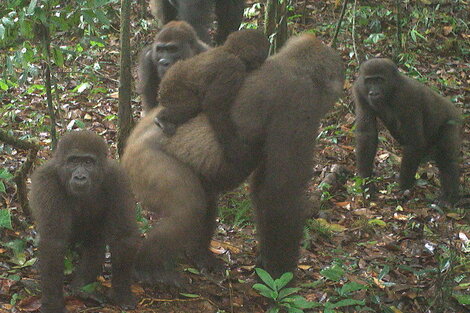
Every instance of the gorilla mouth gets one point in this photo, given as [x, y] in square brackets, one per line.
[79, 190]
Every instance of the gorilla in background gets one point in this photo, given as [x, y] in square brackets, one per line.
[421, 120]
[276, 113]
[198, 13]
[81, 197]
[176, 41]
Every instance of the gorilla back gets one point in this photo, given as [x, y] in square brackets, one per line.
[277, 113]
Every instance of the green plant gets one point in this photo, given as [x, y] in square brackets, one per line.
[284, 298]
[345, 294]
[5, 176]
[237, 210]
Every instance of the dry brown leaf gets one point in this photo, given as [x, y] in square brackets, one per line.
[30, 304]
[304, 267]
[215, 244]
[447, 30]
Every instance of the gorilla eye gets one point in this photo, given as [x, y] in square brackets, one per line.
[89, 161]
[73, 160]
[375, 79]
[172, 48]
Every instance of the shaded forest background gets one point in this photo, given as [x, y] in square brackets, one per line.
[358, 255]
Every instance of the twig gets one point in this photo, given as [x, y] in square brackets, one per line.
[338, 26]
[304, 12]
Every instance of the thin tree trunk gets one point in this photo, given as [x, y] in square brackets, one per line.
[276, 23]
[125, 78]
[398, 18]
[46, 41]
[338, 26]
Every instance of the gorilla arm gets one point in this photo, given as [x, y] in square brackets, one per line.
[414, 149]
[122, 233]
[367, 137]
[54, 223]
[149, 79]
[217, 105]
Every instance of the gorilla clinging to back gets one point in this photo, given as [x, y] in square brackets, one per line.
[198, 13]
[81, 197]
[276, 114]
[422, 121]
[209, 83]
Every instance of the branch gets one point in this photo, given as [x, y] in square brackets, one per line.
[20, 180]
[16, 142]
[22, 173]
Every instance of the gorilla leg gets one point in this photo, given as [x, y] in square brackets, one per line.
[123, 250]
[200, 254]
[198, 14]
[164, 10]
[178, 194]
[229, 15]
[278, 196]
[447, 155]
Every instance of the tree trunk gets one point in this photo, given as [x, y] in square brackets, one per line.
[125, 78]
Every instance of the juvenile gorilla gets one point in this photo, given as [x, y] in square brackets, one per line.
[422, 121]
[176, 41]
[209, 82]
[79, 196]
[276, 114]
[198, 13]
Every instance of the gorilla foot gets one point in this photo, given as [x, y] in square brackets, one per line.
[207, 262]
[170, 278]
[125, 300]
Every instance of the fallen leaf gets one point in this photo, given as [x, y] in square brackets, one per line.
[401, 217]
[344, 204]
[447, 30]
[215, 244]
[304, 267]
[30, 304]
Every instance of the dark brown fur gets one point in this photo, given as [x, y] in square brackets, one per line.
[176, 41]
[422, 121]
[209, 82]
[198, 13]
[277, 113]
[100, 213]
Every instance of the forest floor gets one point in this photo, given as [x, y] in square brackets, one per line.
[406, 255]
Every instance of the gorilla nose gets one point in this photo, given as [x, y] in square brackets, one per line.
[374, 93]
[80, 179]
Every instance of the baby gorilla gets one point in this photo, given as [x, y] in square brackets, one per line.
[421, 120]
[79, 196]
[209, 82]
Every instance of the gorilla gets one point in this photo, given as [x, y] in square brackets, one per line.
[198, 13]
[422, 121]
[276, 114]
[81, 197]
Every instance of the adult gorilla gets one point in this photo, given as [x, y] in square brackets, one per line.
[277, 113]
[198, 13]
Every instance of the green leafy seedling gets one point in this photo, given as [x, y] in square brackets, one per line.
[284, 298]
